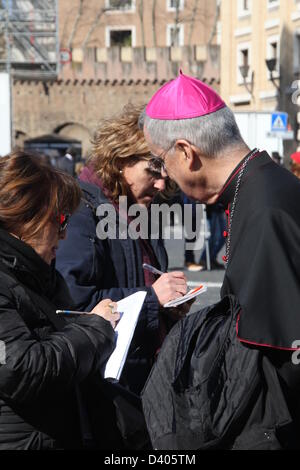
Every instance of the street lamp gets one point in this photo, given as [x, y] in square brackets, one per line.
[244, 70]
[271, 65]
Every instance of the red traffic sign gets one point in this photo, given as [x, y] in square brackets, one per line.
[65, 56]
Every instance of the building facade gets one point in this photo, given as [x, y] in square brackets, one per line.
[138, 39]
[113, 52]
[258, 36]
[135, 23]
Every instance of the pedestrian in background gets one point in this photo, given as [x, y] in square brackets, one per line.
[67, 162]
[295, 164]
[216, 226]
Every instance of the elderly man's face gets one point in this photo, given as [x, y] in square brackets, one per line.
[182, 166]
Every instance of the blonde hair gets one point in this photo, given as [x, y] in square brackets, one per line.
[118, 142]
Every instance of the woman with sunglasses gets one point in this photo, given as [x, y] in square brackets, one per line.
[45, 360]
[96, 267]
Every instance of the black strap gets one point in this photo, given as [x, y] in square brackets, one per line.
[57, 322]
[48, 309]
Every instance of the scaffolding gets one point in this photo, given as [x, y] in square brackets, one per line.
[29, 45]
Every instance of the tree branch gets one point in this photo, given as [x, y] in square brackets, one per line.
[94, 25]
[78, 16]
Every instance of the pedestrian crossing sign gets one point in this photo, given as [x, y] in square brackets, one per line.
[279, 122]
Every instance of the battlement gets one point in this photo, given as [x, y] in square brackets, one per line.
[143, 63]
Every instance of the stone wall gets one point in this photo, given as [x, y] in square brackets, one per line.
[73, 108]
[141, 63]
[74, 104]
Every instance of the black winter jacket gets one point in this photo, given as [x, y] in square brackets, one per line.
[40, 367]
[208, 390]
[96, 269]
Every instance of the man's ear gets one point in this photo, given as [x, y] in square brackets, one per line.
[189, 153]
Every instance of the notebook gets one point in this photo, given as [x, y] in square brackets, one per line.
[188, 296]
[130, 308]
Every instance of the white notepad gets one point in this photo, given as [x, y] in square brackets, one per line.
[130, 307]
[185, 298]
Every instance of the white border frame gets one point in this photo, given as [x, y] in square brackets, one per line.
[242, 46]
[181, 34]
[121, 10]
[169, 8]
[108, 29]
[5, 114]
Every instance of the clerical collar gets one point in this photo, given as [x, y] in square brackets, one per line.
[226, 194]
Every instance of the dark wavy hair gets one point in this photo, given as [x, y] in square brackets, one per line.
[32, 192]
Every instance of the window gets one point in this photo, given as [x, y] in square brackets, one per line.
[122, 36]
[175, 35]
[273, 4]
[175, 5]
[243, 63]
[297, 52]
[273, 52]
[244, 8]
[123, 5]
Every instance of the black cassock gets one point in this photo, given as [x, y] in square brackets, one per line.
[264, 260]
[263, 269]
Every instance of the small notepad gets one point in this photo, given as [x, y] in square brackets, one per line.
[130, 307]
[185, 298]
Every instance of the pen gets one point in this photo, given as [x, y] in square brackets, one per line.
[152, 269]
[72, 312]
[75, 312]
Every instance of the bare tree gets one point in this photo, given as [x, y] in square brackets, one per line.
[215, 24]
[154, 22]
[94, 26]
[194, 15]
[75, 25]
[194, 12]
[141, 16]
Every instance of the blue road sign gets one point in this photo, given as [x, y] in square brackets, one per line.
[279, 122]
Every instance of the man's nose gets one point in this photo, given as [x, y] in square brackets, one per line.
[160, 184]
[164, 173]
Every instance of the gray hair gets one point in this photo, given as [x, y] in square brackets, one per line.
[212, 133]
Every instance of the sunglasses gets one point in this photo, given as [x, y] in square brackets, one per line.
[62, 220]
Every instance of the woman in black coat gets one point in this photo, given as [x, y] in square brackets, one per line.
[44, 360]
[97, 264]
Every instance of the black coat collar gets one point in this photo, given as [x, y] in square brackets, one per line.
[226, 195]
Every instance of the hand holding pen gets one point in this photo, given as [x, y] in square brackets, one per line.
[106, 309]
[168, 286]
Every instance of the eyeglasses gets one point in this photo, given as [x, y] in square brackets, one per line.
[63, 220]
[157, 163]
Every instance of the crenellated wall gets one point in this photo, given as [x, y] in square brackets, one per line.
[139, 63]
[74, 108]
[91, 90]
